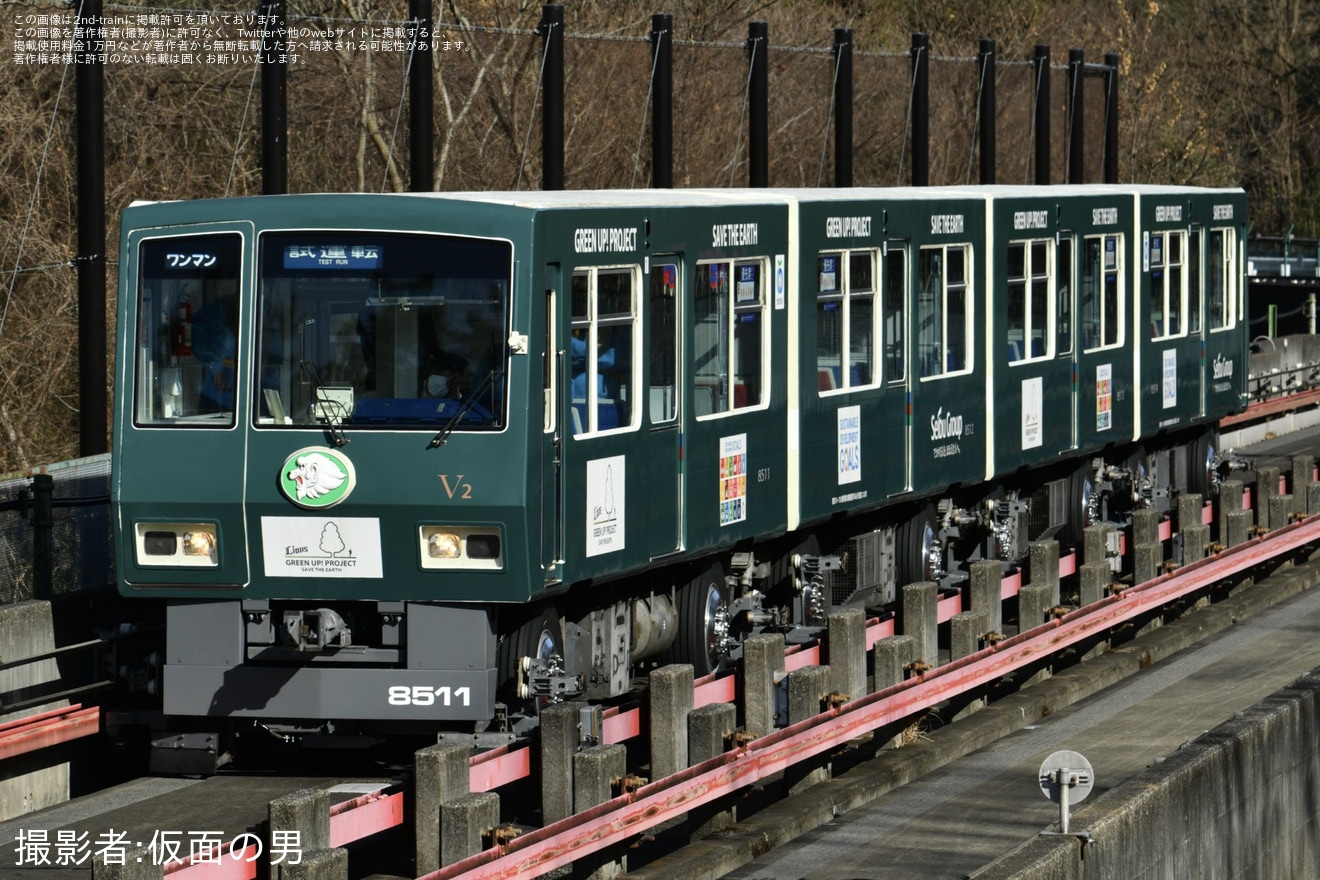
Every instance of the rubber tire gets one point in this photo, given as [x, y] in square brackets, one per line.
[1080, 488]
[914, 539]
[542, 634]
[1200, 454]
[696, 602]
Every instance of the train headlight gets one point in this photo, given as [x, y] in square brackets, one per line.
[444, 545]
[199, 543]
[478, 548]
[177, 544]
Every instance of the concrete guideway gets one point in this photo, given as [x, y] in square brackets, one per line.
[965, 794]
[618, 820]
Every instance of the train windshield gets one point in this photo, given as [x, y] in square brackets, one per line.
[187, 330]
[382, 330]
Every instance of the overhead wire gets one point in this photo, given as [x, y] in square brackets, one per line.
[742, 116]
[829, 116]
[540, 77]
[650, 90]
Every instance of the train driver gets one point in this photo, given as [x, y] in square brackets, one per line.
[446, 376]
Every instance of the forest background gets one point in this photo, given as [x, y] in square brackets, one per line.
[1211, 93]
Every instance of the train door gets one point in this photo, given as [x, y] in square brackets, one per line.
[1225, 332]
[664, 433]
[895, 318]
[552, 442]
[1196, 307]
[1065, 292]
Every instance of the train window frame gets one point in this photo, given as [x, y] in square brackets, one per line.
[894, 310]
[845, 294]
[171, 328]
[1065, 282]
[550, 364]
[924, 299]
[586, 323]
[367, 374]
[1195, 282]
[1108, 266]
[1230, 283]
[1035, 286]
[664, 339]
[716, 394]
[1168, 284]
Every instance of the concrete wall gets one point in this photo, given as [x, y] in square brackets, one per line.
[1243, 800]
[35, 780]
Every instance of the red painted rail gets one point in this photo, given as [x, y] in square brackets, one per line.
[48, 729]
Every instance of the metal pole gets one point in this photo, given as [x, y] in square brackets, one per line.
[758, 133]
[90, 125]
[552, 102]
[421, 112]
[986, 67]
[920, 109]
[1041, 67]
[1076, 114]
[43, 526]
[274, 100]
[1111, 118]
[843, 107]
[662, 112]
[1061, 779]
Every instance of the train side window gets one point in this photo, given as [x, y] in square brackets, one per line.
[549, 363]
[186, 369]
[1030, 300]
[1101, 302]
[895, 312]
[944, 309]
[662, 330]
[845, 320]
[1168, 290]
[602, 349]
[1195, 293]
[1063, 287]
[1221, 280]
[729, 341]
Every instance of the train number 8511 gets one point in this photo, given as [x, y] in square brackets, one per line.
[421, 695]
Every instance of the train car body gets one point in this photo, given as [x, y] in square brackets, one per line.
[408, 459]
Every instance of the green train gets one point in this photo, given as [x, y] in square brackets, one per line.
[422, 461]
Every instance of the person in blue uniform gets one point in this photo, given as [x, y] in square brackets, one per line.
[604, 364]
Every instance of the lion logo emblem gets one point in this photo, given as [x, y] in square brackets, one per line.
[315, 477]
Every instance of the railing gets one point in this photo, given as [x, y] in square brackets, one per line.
[1283, 257]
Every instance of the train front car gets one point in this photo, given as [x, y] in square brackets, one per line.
[318, 426]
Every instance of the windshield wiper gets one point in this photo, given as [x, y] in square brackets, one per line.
[320, 405]
[468, 402]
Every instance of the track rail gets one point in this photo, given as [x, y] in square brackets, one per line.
[48, 729]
